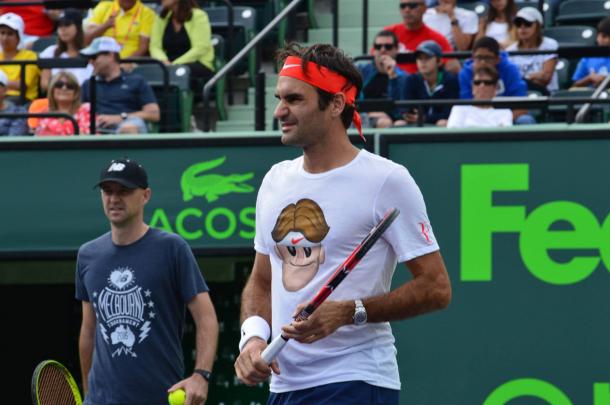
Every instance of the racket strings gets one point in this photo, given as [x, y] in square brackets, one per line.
[53, 388]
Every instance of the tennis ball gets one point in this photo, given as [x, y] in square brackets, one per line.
[177, 397]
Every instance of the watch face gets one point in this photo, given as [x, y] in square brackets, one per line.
[360, 317]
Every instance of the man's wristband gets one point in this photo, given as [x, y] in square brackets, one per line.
[207, 375]
[254, 326]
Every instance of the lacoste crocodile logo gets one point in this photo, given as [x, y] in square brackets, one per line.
[195, 183]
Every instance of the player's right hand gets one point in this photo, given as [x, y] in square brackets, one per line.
[250, 367]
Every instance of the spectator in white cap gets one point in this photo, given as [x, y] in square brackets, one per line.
[38, 20]
[11, 41]
[125, 102]
[70, 40]
[10, 126]
[538, 71]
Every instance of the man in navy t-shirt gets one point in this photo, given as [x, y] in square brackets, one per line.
[135, 283]
[125, 102]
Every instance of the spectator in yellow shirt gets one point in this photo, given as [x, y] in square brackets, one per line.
[11, 41]
[129, 22]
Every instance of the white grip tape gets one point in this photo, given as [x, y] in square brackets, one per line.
[273, 349]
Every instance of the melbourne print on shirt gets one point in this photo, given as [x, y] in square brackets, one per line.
[124, 312]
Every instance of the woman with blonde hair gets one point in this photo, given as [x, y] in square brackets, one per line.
[498, 23]
[64, 96]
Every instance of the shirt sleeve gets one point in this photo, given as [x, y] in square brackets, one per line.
[156, 40]
[455, 117]
[147, 95]
[48, 52]
[146, 24]
[581, 70]
[411, 234]
[465, 78]
[259, 241]
[81, 293]
[190, 279]
[99, 13]
[85, 91]
[469, 23]
[516, 85]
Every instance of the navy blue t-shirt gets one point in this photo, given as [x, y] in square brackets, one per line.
[126, 93]
[139, 293]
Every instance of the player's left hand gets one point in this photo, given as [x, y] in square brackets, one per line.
[327, 319]
[196, 388]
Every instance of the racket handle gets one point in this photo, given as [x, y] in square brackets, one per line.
[273, 349]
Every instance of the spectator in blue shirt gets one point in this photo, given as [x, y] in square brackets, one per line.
[381, 78]
[431, 82]
[486, 52]
[10, 126]
[124, 101]
[592, 71]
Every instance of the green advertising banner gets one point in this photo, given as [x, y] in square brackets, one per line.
[524, 228]
[204, 188]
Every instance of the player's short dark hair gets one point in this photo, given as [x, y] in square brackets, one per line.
[603, 27]
[490, 71]
[488, 43]
[388, 33]
[332, 58]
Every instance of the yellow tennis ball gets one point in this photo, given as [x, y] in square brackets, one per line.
[177, 397]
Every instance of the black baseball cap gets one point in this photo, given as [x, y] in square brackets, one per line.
[124, 171]
[70, 16]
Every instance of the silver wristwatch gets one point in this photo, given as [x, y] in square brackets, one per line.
[359, 313]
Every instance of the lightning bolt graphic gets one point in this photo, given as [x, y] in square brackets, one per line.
[144, 331]
[104, 333]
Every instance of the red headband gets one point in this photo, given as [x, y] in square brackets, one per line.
[324, 79]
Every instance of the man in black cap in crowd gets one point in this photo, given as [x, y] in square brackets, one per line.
[135, 283]
[431, 82]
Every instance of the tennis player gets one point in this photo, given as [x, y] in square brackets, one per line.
[311, 212]
[135, 283]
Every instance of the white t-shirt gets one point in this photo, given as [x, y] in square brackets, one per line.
[81, 74]
[498, 31]
[467, 20]
[465, 116]
[533, 63]
[334, 212]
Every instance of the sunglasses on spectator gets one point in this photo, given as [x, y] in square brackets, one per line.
[484, 58]
[60, 84]
[94, 57]
[387, 47]
[485, 82]
[411, 5]
[520, 22]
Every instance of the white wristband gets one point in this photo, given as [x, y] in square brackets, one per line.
[254, 326]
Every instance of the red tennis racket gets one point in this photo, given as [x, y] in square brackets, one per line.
[334, 280]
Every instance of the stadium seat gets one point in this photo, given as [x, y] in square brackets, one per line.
[179, 109]
[587, 12]
[478, 7]
[244, 26]
[563, 73]
[572, 35]
[559, 112]
[43, 43]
